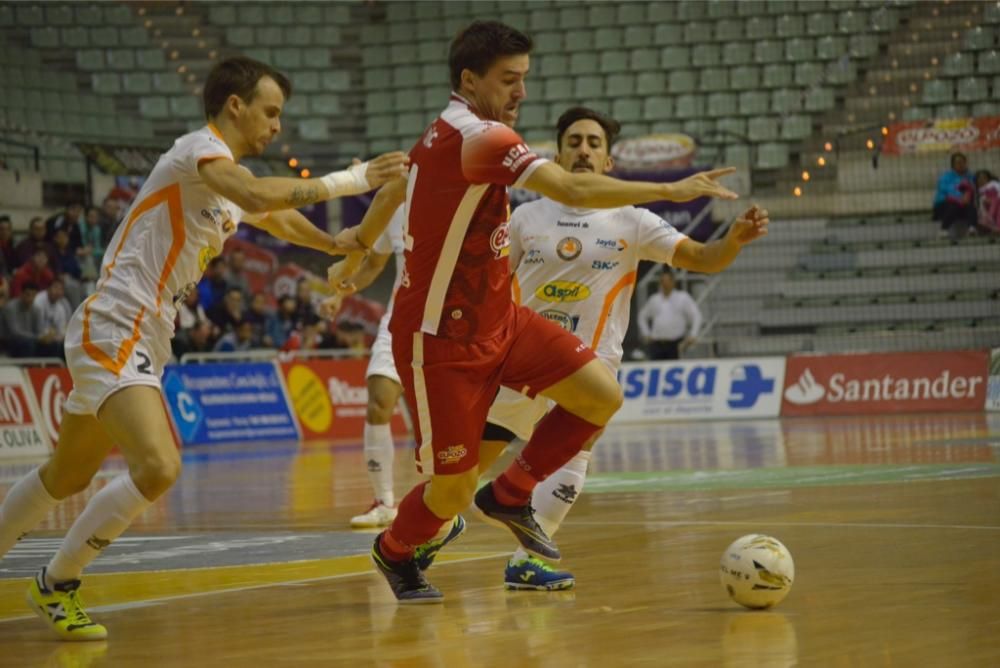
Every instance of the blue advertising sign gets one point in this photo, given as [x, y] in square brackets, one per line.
[227, 403]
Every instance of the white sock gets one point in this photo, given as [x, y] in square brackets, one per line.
[554, 496]
[105, 518]
[25, 506]
[378, 458]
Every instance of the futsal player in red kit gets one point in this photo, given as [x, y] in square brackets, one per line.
[457, 335]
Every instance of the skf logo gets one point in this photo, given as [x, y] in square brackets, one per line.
[534, 256]
[562, 291]
[453, 454]
[603, 265]
[221, 217]
[569, 248]
[205, 256]
[564, 320]
[430, 135]
[612, 244]
[500, 241]
[517, 156]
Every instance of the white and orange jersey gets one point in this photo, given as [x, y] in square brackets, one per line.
[577, 267]
[392, 240]
[161, 248]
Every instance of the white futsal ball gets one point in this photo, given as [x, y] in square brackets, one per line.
[757, 571]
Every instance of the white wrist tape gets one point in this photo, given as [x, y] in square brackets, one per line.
[350, 181]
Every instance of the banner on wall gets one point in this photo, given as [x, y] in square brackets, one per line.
[51, 386]
[330, 398]
[946, 134]
[993, 382]
[20, 432]
[885, 383]
[227, 403]
[700, 389]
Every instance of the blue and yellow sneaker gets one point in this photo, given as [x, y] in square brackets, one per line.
[521, 522]
[405, 578]
[61, 609]
[424, 554]
[535, 574]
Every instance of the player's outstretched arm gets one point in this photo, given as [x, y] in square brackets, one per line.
[716, 255]
[341, 280]
[384, 204]
[274, 193]
[291, 226]
[595, 191]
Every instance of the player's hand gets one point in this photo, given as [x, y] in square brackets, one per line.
[346, 241]
[702, 184]
[749, 226]
[339, 274]
[329, 307]
[386, 167]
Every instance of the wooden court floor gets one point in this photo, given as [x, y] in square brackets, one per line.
[894, 524]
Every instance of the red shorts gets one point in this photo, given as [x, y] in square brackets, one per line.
[449, 385]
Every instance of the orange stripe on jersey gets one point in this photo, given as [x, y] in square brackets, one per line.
[623, 282]
[210, 158]
[515, 288]
[171, 196]
[215, 131]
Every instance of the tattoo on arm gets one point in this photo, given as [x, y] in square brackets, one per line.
[302, 195]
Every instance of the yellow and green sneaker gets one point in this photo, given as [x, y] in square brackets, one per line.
[62, 610]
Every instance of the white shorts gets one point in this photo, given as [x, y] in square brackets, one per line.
[518, 413]
[113, 359]
[381, 362]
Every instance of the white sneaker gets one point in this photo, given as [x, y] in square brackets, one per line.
[378, 515]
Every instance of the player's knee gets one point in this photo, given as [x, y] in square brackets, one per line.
[450, 495]
[378, 412]
[156, 473]
[64, 483]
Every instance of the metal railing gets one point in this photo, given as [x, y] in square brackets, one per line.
[270, 354]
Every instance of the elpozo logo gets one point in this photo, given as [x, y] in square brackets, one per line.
[569, 248]
[563, 291]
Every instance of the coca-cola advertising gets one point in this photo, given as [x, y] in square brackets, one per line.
[885, 383]
[330, 398]
[20, 432]
[51, 386]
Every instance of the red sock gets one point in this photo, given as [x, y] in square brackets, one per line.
[414, 525]
[557, 439]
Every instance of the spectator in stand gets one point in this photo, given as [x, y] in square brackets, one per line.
[112, 210]
[955, 199]
[92, 251]
[70, 221]
[21, 324]
[35, 239]
[281, 324]
[307, 337]
[68, 267]
[190, 317]
[989, 201]
[305, 312]
[237, 276]
[4, 299]
[34, 272]
[669, 321]
[54, 313]
[238, 340]
[229, 313]
[212, 287]
[8, 257]
[258, 315]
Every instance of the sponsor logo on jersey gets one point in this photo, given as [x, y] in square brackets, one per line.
[562, 291]
[569, 248]
[573, 223]
[221, 217]
[517, 156]
[564, 320]
[500, 241]
[604, 265]
[612, 244]
[430, 135]
[205, 256]
[452, 454]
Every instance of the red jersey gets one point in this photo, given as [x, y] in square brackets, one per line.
[457, 281]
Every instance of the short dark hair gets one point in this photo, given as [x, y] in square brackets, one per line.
[479, 45]
[610, 126]
[29, 285]
[956, 156]
[238, 76]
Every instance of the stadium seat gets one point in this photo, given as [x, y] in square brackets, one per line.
[137, 83]
[991, 13]
[713, 79]
[106, 83]
[689, 106]
[291, 59]
[721, 105]
[744, 77]
[691, 10]
[251, 14]
[841, 71]
[937, 91]
[737, 154]
[616, 85]
[972, 89]
[167, 82]
[862, 46]
[777, 76]
[786, 100]
[759, 27]
[720, 9]
[668, 34]
[269, 35]
[637, 36]
[820, 23]
[988, 62]
[45, 37]
[650, 83]
[614, 61]
[951, 111]
[734, 53]
[659, 12]
[117, 15]
[682, 81]
[706, 55]
[751, 7]
[296, 107]
[733, 126]
[657, 107]
[830, 47]
[558, 88]
[698, 127]
[279, 13]
[978, 39]
[772, 156]
[762, 128]
[675, 57]
[986, 108]
[796, 127]
[314, 129]
[87, 14]
[809, 74]
[820, 99]
[154, 107]
[627, 109]
[884, 19]
[769, 51]
[609, 37]
[584, 62]
[957, 65]
[790, 25]
[186, 106]
[754, 102]
[30, 15]
[697, 32]
[602, 14]
[729, 30]
[852, 22]
[573, 18]
[106, 36]
[800, 49]
[222, 15]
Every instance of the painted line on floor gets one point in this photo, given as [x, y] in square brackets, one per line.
[768, 523]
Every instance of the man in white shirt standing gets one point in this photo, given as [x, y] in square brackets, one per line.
[669, 322]
[54, 312]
